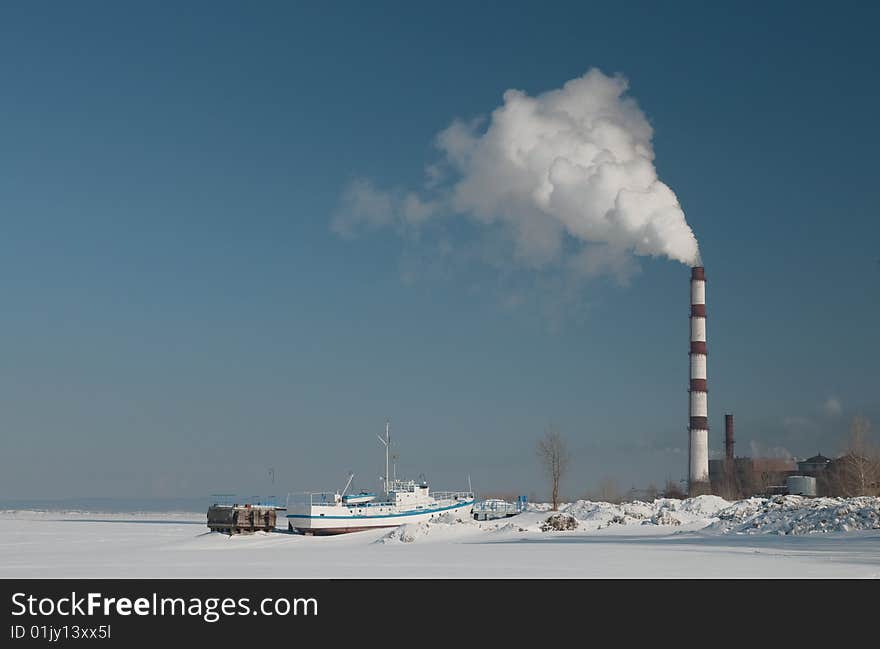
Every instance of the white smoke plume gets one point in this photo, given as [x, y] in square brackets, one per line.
[576, 163]
[832, 406]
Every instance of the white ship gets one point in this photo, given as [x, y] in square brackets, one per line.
[405, 501]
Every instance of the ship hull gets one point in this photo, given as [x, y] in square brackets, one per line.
[332, 531]
[328, 524]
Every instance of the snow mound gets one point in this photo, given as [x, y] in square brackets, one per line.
[778, 515]
[559, 522]
[446, 526]
[797, 515]
[703, 505]
[701, 511]
[406, 533]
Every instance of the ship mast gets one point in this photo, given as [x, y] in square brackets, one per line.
[387, 442]
[348, 484]
[387, 453]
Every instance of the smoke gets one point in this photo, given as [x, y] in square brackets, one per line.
[832, 406]
[760, 450]
[573, 165]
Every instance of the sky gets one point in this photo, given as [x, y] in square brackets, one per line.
[180, 314]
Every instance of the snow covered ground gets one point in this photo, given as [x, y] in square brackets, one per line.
[700, 537]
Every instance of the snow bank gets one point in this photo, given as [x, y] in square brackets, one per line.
[447, 526]
[406, 533]
[588, 516]
[777, 515]
[664, 511]
[798, 515]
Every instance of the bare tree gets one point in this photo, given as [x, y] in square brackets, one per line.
[730, 485]
[672, 489]
[857, 471]
[554, 459]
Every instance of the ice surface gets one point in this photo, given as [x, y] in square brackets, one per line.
[699, 537]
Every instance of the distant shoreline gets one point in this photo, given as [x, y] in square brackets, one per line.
[108, 505]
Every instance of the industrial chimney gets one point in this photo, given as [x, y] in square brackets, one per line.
[698, 423]
[728, 438]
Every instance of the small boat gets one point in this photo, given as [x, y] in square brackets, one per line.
[405, 501]
[357, 499]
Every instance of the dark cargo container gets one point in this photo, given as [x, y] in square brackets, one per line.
[237, 519]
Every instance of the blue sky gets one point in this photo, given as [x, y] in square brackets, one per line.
[179, 314]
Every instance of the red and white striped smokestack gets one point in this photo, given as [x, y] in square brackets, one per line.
[698, 423]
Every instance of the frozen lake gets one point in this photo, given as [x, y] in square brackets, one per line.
[79, 544]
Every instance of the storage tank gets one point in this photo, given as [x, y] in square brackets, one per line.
[801, 485]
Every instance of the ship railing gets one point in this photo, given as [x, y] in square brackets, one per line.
[229, 500]
[452, 495]
[303, 499]
[496, 507]
[402, 486]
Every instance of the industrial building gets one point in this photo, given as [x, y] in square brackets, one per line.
[731, 476]
[814, 465]
[742, 477]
